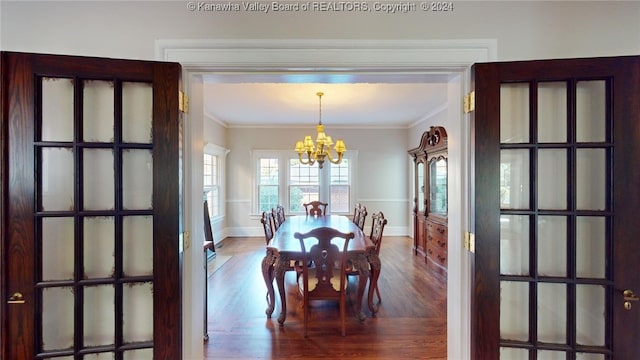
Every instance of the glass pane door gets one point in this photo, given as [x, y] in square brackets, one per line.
[555, 219]
[94, 218]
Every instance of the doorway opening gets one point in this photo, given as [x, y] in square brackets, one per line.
[253, 59]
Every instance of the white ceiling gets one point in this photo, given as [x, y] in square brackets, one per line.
[349, 100]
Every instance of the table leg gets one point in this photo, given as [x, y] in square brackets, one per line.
[280, 267]
[267, 274]
[363, 267]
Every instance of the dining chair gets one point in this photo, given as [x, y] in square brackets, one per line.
[278, 216]
[267, 224]
[360, 215]
[267, 219]
[378, 223]
[318, 208]
[327, 279]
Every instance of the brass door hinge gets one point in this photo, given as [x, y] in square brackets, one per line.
[186, 240]
[183, 102]
[470, 241]
[469, 102]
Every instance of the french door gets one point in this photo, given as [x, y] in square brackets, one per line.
[557, 184]
[90, 260]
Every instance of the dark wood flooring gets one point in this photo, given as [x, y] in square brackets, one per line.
[410, 323]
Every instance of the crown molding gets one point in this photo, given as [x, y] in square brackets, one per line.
[315, 54]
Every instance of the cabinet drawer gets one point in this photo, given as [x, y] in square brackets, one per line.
[437, 255]
[437, 230]
[437, 234]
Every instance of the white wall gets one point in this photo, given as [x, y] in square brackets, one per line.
[381, 184]
[127, 29]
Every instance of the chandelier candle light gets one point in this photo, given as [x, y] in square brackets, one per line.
[322, 149]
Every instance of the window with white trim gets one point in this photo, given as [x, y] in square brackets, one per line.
[213, 179]
[268, 183]
[211, 184]
[280, 178]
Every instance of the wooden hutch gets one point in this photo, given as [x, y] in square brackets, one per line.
[430, 199]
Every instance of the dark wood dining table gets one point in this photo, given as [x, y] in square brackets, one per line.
[284, 248]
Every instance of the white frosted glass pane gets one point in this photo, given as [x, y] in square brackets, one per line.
[140, 354]
[137, 243]
[99, 310]
[57, 109]
[57, 318]
[590, 315]
[514, 113]
[584, 356]
[552, 246]
[98, 179]
[513, 354]
[99, 356]
[552, 313]
[137, 179]
[551, 355]
[57, 245]
[514, 179]
[552, 112]
[99, 235]
[137, 301]
[591, 179]
[57, 179]
[98, 111]
[590, 111]
[514, 245]
[514, 310]
[590, 247]
[137, 112]
[552, 179]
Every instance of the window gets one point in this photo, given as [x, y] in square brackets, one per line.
[282, 179]
[211, 184]
[268, 180]
[213, 181]
[304, 184]
[340, 187]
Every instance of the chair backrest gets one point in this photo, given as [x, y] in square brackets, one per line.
[329, 263]
[267, 220]
[278, 216]
[315, 208]
[378, 223]
[360, 215]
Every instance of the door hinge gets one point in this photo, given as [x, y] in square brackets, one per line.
[469, 102]
[470, 241]
[183, 102]
[186, 240]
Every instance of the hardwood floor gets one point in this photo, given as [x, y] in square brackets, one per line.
[410, 323]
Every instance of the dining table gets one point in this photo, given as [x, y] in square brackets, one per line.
[284, 248]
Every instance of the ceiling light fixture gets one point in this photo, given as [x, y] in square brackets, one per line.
[322, 149]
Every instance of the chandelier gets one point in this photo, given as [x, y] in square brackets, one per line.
[322, 148]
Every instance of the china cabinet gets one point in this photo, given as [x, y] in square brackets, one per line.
[430, 199]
